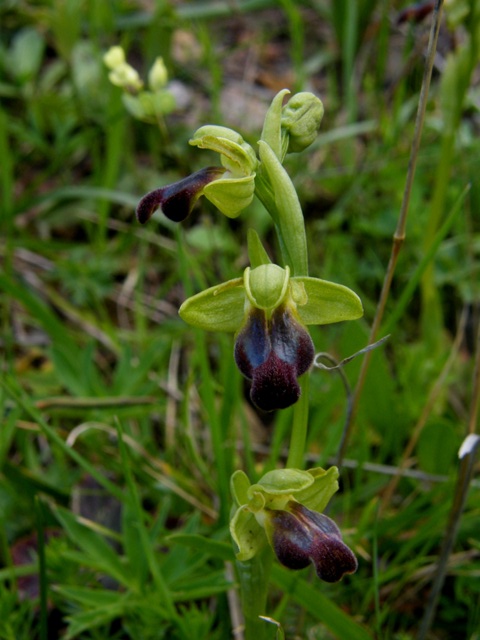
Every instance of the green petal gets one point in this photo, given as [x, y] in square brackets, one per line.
[219, 308]
[231, 195]
[327, 302]
[318, 494]
[247, 534]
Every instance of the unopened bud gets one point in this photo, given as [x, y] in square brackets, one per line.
[158, 75]
[301, 120]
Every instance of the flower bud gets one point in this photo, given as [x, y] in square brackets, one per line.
[126, 77]
[301, 120]
[114, 57]
[158, 75]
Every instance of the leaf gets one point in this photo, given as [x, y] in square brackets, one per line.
[437, 447]
[318, 605]
[212, 548]
[95, 546]
[133, 545]
[80, 622]
[89, 597]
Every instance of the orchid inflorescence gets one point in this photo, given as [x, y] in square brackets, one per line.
[268, 308]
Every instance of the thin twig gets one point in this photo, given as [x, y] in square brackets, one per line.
[399, 235]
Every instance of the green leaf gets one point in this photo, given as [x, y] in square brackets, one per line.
[213, 548]
[89, 597]
[319, 606]
[205, 586]
[95, 546]
[133, 544]
[219, 308]
[86, 620]
[327, 302]
[437, 446]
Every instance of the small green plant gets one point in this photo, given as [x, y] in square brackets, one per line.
[268, 309]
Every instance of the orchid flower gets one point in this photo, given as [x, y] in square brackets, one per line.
[268, 310]
[284, 510]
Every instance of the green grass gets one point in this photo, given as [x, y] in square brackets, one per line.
[120, 425]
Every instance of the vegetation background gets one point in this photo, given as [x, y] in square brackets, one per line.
[110, 406]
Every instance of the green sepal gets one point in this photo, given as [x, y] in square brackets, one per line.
[327, 302]
[284, 481]
[272, 132]
[266, 285]
[247, 534]
[317, 495]
[231, 195]
[219, 308]
[256, 252]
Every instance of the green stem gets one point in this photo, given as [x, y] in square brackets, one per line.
[254, 576]
[298, 438]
